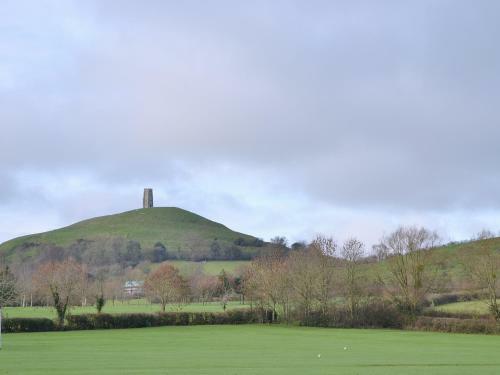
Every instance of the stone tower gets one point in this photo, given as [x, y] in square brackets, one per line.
[147, 200]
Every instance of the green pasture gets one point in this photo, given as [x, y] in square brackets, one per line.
[213, 267]
[133, 306]
[249, 349]
[472, 307]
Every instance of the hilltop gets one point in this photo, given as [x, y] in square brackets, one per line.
[140, 233]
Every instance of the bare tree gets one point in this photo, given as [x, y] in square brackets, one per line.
[165, 284]
[484, 267]
[205, 287]
[114, 290]
[239, 282]
[60, 282]
[271, 282]
[303, 274]
[325, 245]
[410, 276]
[224, 288]
[312, 272]
[84, 285]
[322, 251]
[251, 286]
[24, 276]
[279, 242]
[380, 251]
[484, 234]
[352, 252]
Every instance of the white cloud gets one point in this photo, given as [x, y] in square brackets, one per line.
[273, 118]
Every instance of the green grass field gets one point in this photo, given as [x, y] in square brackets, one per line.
[213, 267]
[249, 349]
[134, 306]
[473, 307]
[142, 306]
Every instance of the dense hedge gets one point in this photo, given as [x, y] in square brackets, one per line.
[110, 321]
[377, 315]
[381, 315]
[371, 315]
[442, 299]
[28, 325]
[427, 323]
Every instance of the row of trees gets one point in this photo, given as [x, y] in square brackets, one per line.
[67, 283]
[323, 275]
[293, 282]
[129, 253]
[296, 283]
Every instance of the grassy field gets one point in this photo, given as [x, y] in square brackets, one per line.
[178, 229]
[134, 306]
[473, 307]
[249, 349]
[213, 267]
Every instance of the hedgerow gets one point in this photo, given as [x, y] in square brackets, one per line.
[28, 325]
[114, 321]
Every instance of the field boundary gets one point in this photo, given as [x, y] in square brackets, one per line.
[136, 320]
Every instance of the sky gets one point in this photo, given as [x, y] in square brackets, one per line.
[291, 118]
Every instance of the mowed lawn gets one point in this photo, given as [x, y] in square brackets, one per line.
[249, 349]
[133, 306]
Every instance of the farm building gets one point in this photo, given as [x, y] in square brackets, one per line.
[133, 288]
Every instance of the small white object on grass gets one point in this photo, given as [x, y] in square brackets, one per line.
[319, 355]
[345, 347]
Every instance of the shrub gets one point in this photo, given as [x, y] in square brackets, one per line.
[13, 325]
[182, 319]
[199, 318]
[427, 323]
[442, 299]
[166, 319]
[77, 322]
[99, 303]
[238, 317]
[377, 314]
[108, 321]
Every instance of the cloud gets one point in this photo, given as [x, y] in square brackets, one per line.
[383, 110]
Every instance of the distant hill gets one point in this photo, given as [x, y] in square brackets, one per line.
[453, 255]
[449, 260]
[165, 232]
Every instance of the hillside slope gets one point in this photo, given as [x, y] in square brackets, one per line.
[448, 261]
[183, 233]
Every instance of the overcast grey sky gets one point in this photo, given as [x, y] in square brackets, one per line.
[273, 117]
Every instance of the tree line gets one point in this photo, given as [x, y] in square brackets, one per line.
[301, 283]
[130, 253]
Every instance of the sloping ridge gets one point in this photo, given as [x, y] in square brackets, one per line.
[176, 228]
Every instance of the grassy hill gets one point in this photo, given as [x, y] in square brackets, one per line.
[453, 256]
[180, 231]
[448, 260]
